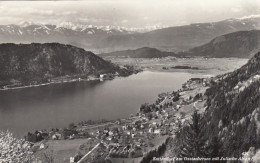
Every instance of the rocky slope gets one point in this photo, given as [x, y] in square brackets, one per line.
[30, 63]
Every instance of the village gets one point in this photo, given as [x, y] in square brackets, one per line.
[127, 138]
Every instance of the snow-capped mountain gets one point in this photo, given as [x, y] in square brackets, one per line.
[85, 36]
[112, 38]
[40, 30]
[182, 37]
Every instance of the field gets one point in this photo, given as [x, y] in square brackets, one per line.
[212, 66]
[62, 149]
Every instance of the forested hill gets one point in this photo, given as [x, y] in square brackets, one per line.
[242, 44]
[230, 124]
[26, 63]
[233, 113]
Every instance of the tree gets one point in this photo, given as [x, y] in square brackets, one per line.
[49, 156]
[15, 150]
[192, 143]
[149, 116]
[213, 149]
[72, 126]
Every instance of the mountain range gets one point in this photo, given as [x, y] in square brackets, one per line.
[82, 36]
[182, 37]
[107, 39]
[241, 44]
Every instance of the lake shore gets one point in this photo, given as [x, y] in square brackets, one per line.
[177, 108]
[54, 82]
[70, 79]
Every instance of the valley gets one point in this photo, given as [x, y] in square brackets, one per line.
[68, 142]
[206, 66]
[130, 81]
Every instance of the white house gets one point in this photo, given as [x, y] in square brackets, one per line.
[42, 146]
[110, 133]
[71, 159]
[150, 130]
[157, 131]
[124, 127]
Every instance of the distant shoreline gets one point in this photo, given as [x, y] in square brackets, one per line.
[60, 81]
[55, 82]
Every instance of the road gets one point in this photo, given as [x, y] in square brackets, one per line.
[86, 155]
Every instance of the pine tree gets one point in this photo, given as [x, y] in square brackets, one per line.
[213, 148]
[192, 143]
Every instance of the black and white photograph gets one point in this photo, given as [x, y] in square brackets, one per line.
[130, 81]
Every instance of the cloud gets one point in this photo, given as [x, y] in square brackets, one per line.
[41, 12]
[124, 21]
[236, 9]
[146, 18]
[132, 13]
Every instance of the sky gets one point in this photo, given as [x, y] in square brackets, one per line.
[126, 13]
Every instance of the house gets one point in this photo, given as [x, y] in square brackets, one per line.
[138, 144]
[114, 145]
[110, 133]
[157, 131]
[72, 136]
[56, 136]
[42, 146]
[124, 127]
[241, 88]
[151, 130]
[71, 159]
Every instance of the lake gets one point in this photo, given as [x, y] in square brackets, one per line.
[57, 105]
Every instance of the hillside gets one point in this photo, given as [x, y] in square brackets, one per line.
[32, 63]
[181, 37]
[144, 52]
[233, 109]
[230, 125]
[242, 44]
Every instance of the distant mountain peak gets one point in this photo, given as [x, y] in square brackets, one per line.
[249, 17]
[26, 23]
